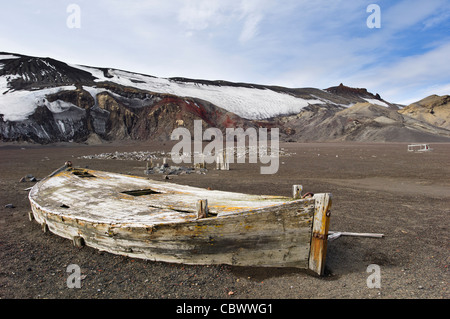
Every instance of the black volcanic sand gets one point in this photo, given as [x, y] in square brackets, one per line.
[377, 188]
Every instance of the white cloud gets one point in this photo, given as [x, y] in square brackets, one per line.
[201, 14]
[437, 19]
[211, 15]
[250, 27]
[296, 43]
[408, 13]
[405, 79]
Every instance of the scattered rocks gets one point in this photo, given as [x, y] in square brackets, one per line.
[121, 156]
[173, 170]
[237, 152]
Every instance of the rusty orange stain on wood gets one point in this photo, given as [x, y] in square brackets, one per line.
[320, 228]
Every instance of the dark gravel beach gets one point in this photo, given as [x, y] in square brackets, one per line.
[376, 187]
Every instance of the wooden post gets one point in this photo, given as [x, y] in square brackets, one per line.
[321, 223]
[222, 162]
[226, 162]
[78, 241]
[202, 208]
[297, 191]
[218, 162]
[202, 162]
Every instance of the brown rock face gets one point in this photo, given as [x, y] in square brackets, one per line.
[434, 110]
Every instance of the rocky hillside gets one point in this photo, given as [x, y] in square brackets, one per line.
[434, 110]
[44, 100]
[361, 122]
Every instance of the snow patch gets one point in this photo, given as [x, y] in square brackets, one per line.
[59, 106]
[8, 56]
[377, 102]
[18, 105]
[61, 126]
[250, 103]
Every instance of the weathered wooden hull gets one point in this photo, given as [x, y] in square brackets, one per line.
[243, 230]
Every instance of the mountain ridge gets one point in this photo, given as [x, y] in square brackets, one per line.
[44, 100]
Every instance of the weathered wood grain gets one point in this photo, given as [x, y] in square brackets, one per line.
[297, 191]
[163, 225]
[320, 228]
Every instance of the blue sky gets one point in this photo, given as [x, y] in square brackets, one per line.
[287, 43]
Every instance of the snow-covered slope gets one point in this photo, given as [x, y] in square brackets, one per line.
[19, 105]
[247, 102]
[23, 86]
[45, 100]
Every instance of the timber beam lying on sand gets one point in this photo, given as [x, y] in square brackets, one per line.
[332, 235]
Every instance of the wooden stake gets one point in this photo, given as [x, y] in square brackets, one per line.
[226, 162]
[297, 191]
[202, 162]
[78, 241]
[202, 208]
[222, 162]
[321, 223]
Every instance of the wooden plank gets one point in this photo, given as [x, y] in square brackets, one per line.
[321, 223]
[202, 208]
[335, 235]
[297, 191]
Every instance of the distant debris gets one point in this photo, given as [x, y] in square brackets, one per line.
[123, 156]
[173, 170]
[237, 152]
[10, 206]
[419, 148]
[151, 167]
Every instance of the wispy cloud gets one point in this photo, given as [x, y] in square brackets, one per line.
[250, 27]
[295, 43]
[407, 78]
[199, 15]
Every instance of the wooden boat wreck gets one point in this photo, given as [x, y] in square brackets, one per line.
[161, 221]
